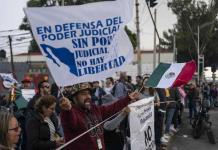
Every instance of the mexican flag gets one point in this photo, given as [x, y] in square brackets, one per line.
[171, 75]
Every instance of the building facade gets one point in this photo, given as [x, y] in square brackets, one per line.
[37, 68]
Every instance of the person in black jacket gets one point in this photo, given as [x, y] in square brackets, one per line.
[41, 128]
[43, 89]
[193, 97]
[159, 110]
[97, 93]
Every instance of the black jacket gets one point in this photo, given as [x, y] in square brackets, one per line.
[193, 95]
[30, 105]
[162, 97]
[38, 133]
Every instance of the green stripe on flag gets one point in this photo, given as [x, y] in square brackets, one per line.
[157, 75]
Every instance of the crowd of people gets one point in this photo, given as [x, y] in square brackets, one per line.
[56, 115]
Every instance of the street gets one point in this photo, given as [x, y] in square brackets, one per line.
[183, 140]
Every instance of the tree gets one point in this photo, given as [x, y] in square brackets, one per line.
[191, 14]
[39, 3]
[132, 37]
[2, 54]
[25, 25]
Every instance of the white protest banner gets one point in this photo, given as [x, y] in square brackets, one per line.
[84, 42]
[28, 93]
[8, 80]
[141, 120]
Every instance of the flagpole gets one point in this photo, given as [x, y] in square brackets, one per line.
[174, 48]
[139, 63]
[155, 27]
[155, 48]
[12, 57]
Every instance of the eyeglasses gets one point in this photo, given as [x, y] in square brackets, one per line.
[46, 86]
[16, 129]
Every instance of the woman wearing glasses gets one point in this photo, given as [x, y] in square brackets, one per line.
[9, 130]
[41, 128]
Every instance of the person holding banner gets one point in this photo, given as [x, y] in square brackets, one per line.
[79, 115]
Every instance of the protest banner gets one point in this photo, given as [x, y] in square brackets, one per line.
[141, 120]
[83, 43]
[8, 80]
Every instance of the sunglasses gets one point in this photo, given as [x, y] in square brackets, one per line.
[16, 129]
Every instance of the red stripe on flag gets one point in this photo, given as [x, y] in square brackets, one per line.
[186, 74]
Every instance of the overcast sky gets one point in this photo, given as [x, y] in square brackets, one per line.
[11, 15]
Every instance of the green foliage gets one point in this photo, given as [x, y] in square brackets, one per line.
[33, 46]
[191, 14]
[132, 37]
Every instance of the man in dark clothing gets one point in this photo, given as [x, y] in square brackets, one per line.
[192, 96]
[97, 93]
[79, 117]
[159, 110]
[139, 81]
[43, 88]
[54, 90]
[130, 85]
[213, 95]
[206, 91]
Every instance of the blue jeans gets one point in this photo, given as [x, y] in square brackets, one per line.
[169, 118]
[212, 100]
[192, 108]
